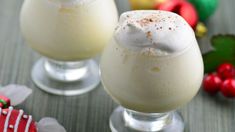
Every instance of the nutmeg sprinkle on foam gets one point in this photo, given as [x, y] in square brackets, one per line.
[149, 35]
[160, 31]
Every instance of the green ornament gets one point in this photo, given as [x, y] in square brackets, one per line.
[205, 8]
[224, 51]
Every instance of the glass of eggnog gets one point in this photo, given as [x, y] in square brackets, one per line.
[151, 67]
[68, 33]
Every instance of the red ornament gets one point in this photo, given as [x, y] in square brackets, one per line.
[169, 5]
[11, 119]
[188, 12]
[212, 83]
[226, 71]
[228, 88]
[183, 8]
[16, 120]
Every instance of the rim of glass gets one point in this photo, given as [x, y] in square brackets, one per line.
[76, 2]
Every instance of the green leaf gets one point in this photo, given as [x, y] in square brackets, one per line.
[224, 51]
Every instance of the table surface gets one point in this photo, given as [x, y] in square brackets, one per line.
[90, 112]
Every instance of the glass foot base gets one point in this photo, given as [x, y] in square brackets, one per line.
[117, 123]
[51, 85]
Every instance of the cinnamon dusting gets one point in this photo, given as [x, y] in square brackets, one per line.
[149, 34]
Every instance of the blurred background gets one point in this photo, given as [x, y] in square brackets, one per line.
[90, 112]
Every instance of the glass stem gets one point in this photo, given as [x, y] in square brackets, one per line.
[65, 71]
[150, 122]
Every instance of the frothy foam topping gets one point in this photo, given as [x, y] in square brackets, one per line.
[164, 31]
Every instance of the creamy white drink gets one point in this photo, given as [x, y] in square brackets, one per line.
[68, 33]
[153, 64]
[68, 30]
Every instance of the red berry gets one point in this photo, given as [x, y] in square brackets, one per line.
[226, 70]
[228, 88]
[212, 83]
